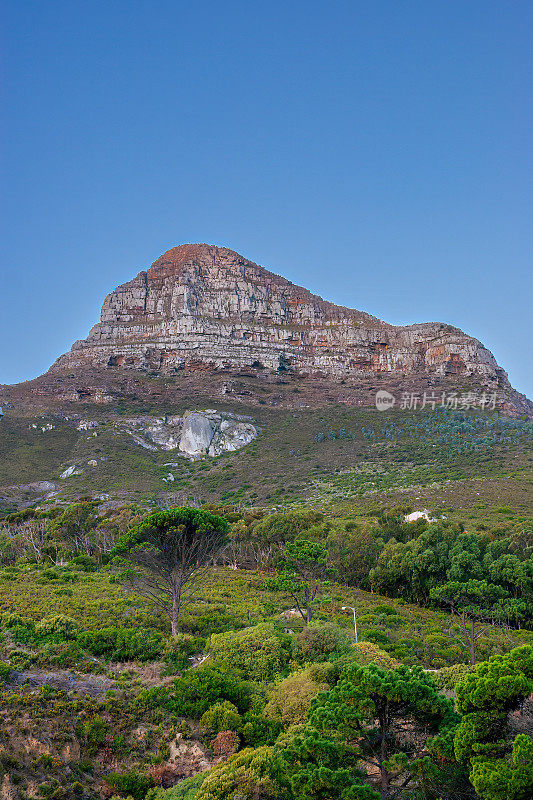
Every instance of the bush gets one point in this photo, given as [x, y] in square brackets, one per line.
[222, 716]
[57, 626]
[127, 784]
[5, 671]
[317, 641]
[365, 653]
[257, 653]
[384, 609]
[378, 637]
[61, 576]
[258, 730]
[447, 678]
[177, 651]
[290, 700]
[22, 659]
[16, 621]
[199, 689]
[185, 790]
[123, 644]
[83, 564]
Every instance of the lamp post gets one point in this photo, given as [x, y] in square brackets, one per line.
[349, 608]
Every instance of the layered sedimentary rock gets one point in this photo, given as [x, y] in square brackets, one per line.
[201, 306]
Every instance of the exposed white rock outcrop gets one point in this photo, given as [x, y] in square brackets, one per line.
[419, 515]
[195, 434]
[69, 471]
[231, 435]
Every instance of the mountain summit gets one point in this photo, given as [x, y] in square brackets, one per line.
[204, 306]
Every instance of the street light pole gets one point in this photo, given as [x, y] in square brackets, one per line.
[349, 608]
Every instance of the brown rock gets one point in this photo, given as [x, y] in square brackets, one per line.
[201, 306]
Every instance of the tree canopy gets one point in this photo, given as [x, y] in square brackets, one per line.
[164, 556]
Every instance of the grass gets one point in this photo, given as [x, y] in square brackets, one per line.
[232, 599]
[334, 455]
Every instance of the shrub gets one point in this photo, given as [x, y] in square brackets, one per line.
[5, 671]
[199, 689]
[378, 637]
[257, 653]
[123, 644]
[447, 678]
[245, 774]
[317, 641]
[177, 651]
[61, 576]
[384, 609]
[365, 653]
[22, 659]
[290, 700]
[57, 626]
[225, 744]
[222, 716]
[185, 790]
[83, 564]
[127, 784]
[16, 621]
[258, 730]
[93, 733]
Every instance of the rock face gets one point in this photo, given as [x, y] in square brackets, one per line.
[204, 307]
[195, 434]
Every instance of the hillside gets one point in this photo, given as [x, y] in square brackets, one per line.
[349, 504]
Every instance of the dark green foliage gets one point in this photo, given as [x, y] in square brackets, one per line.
[491, 700]
[129, 784]
[83, 563]
[312, 767]
[123, 644]
[384, 711]
[257, 730]
[199, 689]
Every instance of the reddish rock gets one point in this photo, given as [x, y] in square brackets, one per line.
[201, 306]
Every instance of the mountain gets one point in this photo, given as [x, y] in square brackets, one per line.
[207, 353]
[203, 306]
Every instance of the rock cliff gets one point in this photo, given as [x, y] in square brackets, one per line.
[205, 307]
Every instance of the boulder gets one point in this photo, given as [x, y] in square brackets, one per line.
[196, 434]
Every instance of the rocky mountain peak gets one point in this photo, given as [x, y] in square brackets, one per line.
[184, 257]
[208, 309]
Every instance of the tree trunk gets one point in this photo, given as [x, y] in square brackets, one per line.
[308, 606]
[384, 755]
[472, 645]
[174, 614]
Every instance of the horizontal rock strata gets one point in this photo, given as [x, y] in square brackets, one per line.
[205, 307]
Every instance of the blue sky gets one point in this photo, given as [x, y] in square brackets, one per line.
[378, 153]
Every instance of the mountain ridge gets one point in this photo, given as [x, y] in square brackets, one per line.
[202, 315]
[210, 304]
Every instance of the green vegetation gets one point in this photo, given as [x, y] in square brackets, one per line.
[264, 693]
[166, 554]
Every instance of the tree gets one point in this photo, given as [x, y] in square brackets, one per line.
[387, 715]
[164, 556]
[471, 601]
[73, 530]
[301, 572]
[491, 738]
[313, 767]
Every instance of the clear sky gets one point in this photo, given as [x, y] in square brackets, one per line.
[379, 153]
